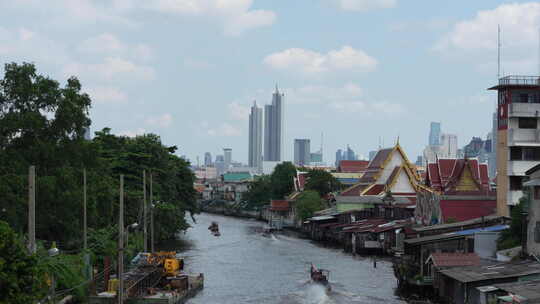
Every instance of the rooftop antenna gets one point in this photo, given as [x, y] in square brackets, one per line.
[498, 51]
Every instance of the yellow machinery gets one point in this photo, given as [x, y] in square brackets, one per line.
[171, 264]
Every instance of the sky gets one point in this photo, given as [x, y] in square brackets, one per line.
[363, 72]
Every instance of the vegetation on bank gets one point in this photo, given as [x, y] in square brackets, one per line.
[278, 185]
[42, 123]
[513, 237]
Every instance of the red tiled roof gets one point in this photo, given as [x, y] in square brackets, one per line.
[380, 157]
[353, 190]
[375, 190]
[443, 174]
[352, 166]
[460, 210]
[279, 205]
[455, 259]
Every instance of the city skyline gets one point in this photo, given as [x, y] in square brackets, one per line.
[330, 81]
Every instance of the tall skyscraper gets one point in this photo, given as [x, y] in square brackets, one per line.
[349, 154]
[339, 157]
[449, 146]
[207, 159]
[273, 128]
[255, 138]
[372, 155]
[227, 152]
[435, 134]
[302, 152]
[220, 164]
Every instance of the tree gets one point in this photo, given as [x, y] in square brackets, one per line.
[308, 203]
[259, 192]
[282, 180]
[20, 278]
[513, 236]
[322, 181]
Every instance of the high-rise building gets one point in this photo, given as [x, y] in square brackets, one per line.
[518, 143]
[220, 164]
[274, 128]
[339, 157]
[255, 138]
[435, 134]
[302, 152]
[449, 146]
[207, 159]
[227, 160]
[349, 154]
[372, 154]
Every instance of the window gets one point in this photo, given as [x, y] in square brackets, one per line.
[516, 183]
[516, 153]
[537, 192]
[532, 153]
[537, 232]
[523, 97]
[527, 123]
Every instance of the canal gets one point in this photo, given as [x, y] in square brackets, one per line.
[243, 266]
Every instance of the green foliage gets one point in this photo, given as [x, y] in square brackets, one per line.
[282, 180]
[259, 193]
[512, 237]
[308, 203]
[322, 181]
[20, 279]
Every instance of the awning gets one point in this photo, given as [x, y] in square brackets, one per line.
[534, 182]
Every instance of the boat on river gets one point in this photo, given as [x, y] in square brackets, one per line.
[214, 229]
[320, 276]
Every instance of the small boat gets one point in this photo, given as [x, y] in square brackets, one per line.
[214, 229]
[320, 276]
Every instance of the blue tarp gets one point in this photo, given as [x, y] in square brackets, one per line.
[473, 231]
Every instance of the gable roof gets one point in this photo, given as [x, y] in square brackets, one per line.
[499, 271]
[454, 259]
[444, 174]
[352, 166]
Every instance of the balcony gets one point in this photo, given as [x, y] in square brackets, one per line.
[518, 167]
[524, 109]
[524, 137]
[520, 80]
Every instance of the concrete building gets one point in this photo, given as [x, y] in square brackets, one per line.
[316, 158]
[208, 159]
[434, 134]
[302, 152]
[274, 128]
[518, 136]
[492, 158]
[449, 145]
[339, 157]
[533, 219]
[220, 164]
[349, 154]
[227, 158]
[255, 138]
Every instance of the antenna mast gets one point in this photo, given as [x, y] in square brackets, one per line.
[498, 51]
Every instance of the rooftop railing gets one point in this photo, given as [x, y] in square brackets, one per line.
[519, 80]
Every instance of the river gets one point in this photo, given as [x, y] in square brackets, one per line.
[243, 266]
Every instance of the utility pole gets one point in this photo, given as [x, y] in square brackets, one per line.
[120, 292]
[151, 214]
[85, 240]
[32, 209]
[145, 232]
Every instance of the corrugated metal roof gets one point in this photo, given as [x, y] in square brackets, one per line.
[447, 259]
[528, 289]
[459, 224]
[453, 235]
[498, 271]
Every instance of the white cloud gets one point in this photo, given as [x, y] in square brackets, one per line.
[475, 38]
[132, 133]
[312, 63]
[101, 94]
[161, 121]
[238, 111]
[108, 44]
[105, 43]
[225, 129]
[112, 68]
[365, 5]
